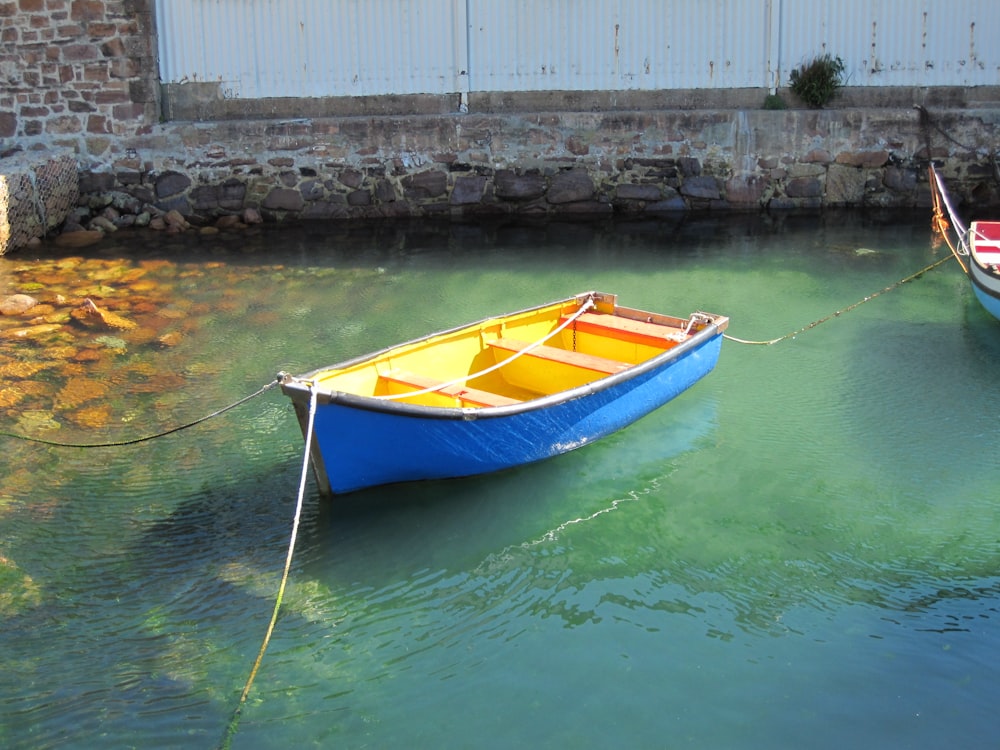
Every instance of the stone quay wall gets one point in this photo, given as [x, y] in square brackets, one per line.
[547, 163]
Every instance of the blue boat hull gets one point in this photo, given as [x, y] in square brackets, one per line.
[986, 287]
[361, 442]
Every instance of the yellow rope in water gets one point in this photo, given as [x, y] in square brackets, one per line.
[234, 721]
[815, 323]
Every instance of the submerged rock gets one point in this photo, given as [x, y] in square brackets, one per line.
[79, 238]
[172, 338]
[92, 316]
[17, 304]
[18, 592]
[79, 390]
[31, 333]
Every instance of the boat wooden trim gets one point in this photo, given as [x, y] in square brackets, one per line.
[627, 329]
[463, 394]
[561, 356]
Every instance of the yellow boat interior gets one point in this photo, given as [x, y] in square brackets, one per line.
[516, 357]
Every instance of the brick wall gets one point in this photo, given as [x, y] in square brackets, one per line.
[76, 74]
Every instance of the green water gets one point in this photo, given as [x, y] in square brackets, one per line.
[801, 551]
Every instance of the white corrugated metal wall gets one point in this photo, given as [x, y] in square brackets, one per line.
[897, 42]
[306, 48]
[574, 45]
[312, 48]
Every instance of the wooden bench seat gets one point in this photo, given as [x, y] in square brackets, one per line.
[563, 356]
[472, 396]
[626, 329]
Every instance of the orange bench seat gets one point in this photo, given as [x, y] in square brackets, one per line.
[562, 356]
[627, 329]
[473, 396]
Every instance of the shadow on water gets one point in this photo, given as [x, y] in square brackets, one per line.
[982, 333]
[183, 597]
[458, 523]
[162, 624]
[375, 243]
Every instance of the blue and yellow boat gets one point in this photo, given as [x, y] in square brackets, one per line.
[495, 394]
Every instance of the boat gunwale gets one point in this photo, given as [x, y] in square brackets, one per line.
[298, 387]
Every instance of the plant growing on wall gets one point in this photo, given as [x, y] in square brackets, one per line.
[817, 81]
[774, 101]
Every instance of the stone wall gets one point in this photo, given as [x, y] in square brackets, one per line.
[555, 163]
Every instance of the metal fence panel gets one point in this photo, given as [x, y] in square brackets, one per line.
[276, 48]
[311, 48]
[896, 42]
[569, 45]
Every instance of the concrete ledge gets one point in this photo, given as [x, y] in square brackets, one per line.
[205, 102]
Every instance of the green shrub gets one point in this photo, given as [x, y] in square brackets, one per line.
[773, 101]
[816, 82]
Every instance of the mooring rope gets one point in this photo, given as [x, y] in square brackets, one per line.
[832, 315]
[940, 225]
[145, 438]
[927, 122]
[234, 720]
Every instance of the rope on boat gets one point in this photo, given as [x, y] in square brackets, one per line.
[234, 720]
[145, 438]
[472, 376]
[966, 235]
[940, 224]
[832, 315]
